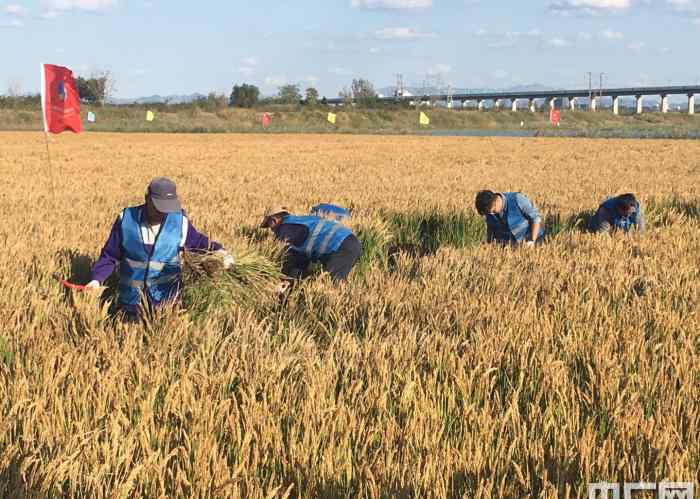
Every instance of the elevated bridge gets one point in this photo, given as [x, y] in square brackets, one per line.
[552, 96]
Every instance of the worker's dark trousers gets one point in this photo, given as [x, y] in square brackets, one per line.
[340, 263]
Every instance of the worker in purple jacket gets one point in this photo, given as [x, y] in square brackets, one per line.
[145, 243]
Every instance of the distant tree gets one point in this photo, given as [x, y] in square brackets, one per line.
[289, 94]
[14, 88]
[86, 90]
[363, 92]
[244, 95]
[96, 89]
[346, 95]
[215, 101]
[105, 85]
[311, 96]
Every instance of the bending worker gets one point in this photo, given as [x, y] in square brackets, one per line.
[146, 242]
[619, 213]
[312, 238]
[510, 218]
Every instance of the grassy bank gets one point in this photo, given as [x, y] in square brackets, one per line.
[196, 120]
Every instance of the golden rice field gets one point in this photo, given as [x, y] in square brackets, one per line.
[444, 368]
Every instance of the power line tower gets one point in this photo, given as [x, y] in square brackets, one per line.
[399, 90]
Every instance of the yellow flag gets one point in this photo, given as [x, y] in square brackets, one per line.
[331, 118]
[150, 116]
[424, 120]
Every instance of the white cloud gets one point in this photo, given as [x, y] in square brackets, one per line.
[557, 42]
[612, 35]
[683, 6]
[248, 66]
[401, 33]
[635, 45]
[13, 8]
[340, 71]
[374, 50]
[500, 74]
[589, 7]
[509, 38]
[54, 6]
[275, 81]
[11, 23]
[392, 4]
[439, 69]
[311, 79]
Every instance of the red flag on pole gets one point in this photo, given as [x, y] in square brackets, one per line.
[266, 120]
[60, 101]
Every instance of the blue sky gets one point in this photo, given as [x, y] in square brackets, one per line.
[180, 47]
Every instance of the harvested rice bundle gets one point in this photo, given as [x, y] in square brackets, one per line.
[207, 284]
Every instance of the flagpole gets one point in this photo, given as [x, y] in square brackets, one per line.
[46, 133]
[51, 176]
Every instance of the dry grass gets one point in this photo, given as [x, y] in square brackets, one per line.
[455, 370]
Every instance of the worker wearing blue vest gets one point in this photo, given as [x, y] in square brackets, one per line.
[145, 243]
[510, 218]
[312, 238]
[620, 213]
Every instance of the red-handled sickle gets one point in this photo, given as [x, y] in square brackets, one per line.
[70, 285]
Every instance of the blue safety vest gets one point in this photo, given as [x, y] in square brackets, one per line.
[325, 236]
[326, 210]
[157, 276]
[516, 227]
[618, 221]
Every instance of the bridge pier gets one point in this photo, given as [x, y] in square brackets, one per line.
[531, 105]
[480, 104]
[572, 103]
[691, 104]
[664, 103]
[514, 105]
[594, 104]
[640, 103]
[497, 104]
[552, 103]
[616, 104]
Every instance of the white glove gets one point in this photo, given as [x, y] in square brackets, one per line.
[529, 244]
[283, 287]
[93, 285]
[228, 258]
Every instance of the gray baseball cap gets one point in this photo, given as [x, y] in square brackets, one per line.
[162, 192]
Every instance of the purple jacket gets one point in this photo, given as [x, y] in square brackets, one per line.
[112, 251]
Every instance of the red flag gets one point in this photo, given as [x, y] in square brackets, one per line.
[266, 120]
[60, 101]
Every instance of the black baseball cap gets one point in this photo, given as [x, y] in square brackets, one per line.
[163, 195]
